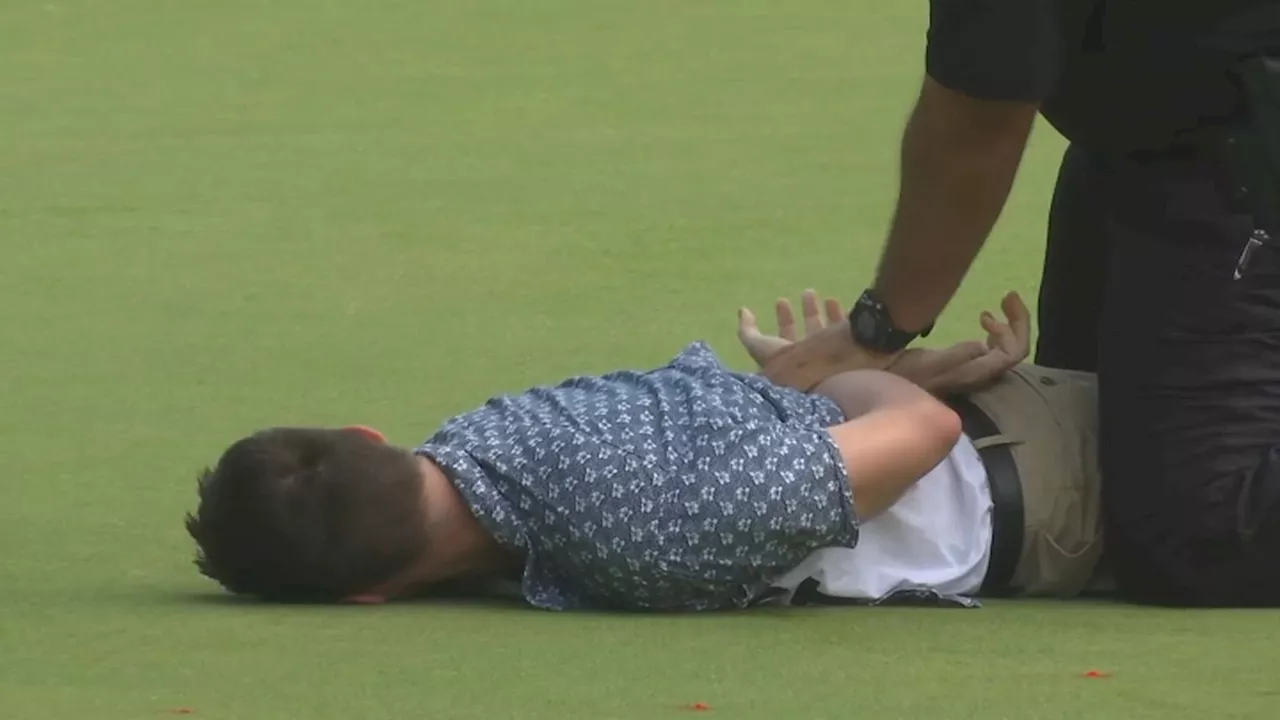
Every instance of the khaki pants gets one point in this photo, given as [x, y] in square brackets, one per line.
[1049, 420]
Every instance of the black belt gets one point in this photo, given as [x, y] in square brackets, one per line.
[1006, 498]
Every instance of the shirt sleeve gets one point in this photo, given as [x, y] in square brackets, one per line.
[799, 409]
[996, 49]
[789, 406]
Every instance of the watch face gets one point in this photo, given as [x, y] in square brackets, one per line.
[868, 329]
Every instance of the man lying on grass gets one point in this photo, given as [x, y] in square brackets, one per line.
[687, 487]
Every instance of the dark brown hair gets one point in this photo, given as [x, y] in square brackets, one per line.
[308, 515]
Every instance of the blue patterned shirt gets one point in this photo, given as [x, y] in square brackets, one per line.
[688, 487]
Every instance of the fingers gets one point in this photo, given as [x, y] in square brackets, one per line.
[835, 313]
[1019, 318]
[747, 323]
[996, 330]
[1007, 345]
[786, 319]
[758, 345]
[1012, 337]
[812, 317]
[749, 335]
[979, 372]
[1000, 336]
[815, 315]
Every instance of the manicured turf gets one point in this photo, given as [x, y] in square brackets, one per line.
[220, 216]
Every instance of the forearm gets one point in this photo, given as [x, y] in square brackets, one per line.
[960, 157]
[859, 392]
[895, 434]
[959, 160]
[821, 356]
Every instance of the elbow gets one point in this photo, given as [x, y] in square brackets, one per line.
[940, 428]
[887, 452]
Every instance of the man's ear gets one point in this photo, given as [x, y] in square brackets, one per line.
[368, 432]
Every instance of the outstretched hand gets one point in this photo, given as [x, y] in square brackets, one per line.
[973, 365]
[762, 348]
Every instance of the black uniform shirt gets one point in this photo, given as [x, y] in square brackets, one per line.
[1117, 75]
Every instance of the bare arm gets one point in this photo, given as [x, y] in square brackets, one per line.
[896, 433]
[959, 160]
[960, 156]
[990, 64]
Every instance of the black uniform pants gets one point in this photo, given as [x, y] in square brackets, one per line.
[1138, 286]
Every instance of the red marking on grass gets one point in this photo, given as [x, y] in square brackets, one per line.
[699, 706]
[1097, 674]
[182, 711]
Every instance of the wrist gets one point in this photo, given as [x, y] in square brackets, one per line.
[872, 326]
[911, 365]
[810, 362]
[904, 310]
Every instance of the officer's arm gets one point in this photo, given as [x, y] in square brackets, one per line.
[896, 433]
[989, 65]
[960, 156]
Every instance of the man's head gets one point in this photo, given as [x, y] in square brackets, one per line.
[309, 515]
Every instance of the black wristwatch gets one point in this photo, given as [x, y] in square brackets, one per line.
[873, 329]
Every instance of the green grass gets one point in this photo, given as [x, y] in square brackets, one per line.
[219, 216]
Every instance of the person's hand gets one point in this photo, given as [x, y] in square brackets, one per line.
[763, 348]
[960, 368]
[969, 366]
[826, 349]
